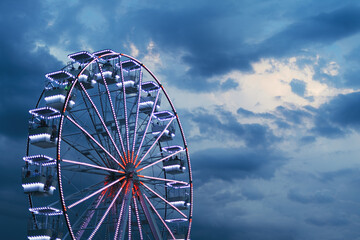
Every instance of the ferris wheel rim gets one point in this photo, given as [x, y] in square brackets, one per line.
[61, 123]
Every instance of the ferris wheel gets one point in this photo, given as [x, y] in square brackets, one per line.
[106, 155]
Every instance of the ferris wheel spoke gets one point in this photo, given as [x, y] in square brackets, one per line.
[74, 147]
[106, 212]
[147, 125]
[93, 122]
[149, 215]
[76, 193]
[157, 139]
[160, 160]
[163, 179]
[102, 121]
[94, 193]
[125, 113]
[157, 213]
[118, 222]
[136, 119]
[96, 142]
[124, 213]
[88, 215]
[129, 222]
[91, 165]
[112, 109]
[184, 215]
[137, 217]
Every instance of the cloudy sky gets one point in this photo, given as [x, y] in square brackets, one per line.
[267, 91]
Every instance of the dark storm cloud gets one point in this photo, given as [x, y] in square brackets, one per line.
[337, 117]
[282, 116]
[224, 124]
[203, 230]
[334, 221]
[317, 198]
[235, 163]
[209, 36]
[316, 31]
[22, 68]
[211, 48]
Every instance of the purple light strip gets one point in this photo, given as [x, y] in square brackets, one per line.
[101, 119]
[137, 113]
[91, 165]
[160, 160]
[148, 123]
[162, 220]
[107, 211]
[89, 217]
[119, 221]
[97, 143]
[112, 106]
[157, 139]
[163, 179]
[164, 200]
[129, 221]
[138, 218]
[125, 112]
[94, 193]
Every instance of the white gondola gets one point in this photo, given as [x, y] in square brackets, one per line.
[40, 160]
[180, 228]
[82, 57]
[108, 73]
[55, 98]
[147, 103]
[48, 225]
[45, 113]
[174, 165]
[180, 201]
[169, 132]
[84, 78]
[149, 87]
[43, 136]
[130, 66]
[131, 76]
[38, 185]
[39, 180]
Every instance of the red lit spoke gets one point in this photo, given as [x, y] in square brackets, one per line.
[97, 143]
[94, 193]
[164, 200]
[107, 211]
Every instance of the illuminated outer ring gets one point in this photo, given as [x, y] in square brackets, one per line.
[58, 157]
